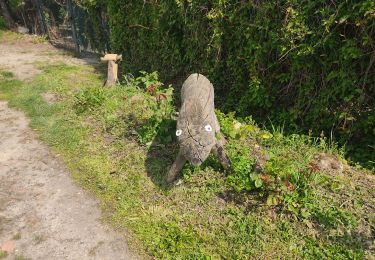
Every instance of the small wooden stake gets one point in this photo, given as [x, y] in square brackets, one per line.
[112, 68]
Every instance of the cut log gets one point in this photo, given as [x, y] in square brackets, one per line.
[112, 68]
[112, 73]
[109, 57]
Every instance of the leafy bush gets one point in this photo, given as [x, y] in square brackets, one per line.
[158, 100]
[284, 180]
[3, 24]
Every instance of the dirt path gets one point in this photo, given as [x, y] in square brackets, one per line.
[23, 55]
[43, 214]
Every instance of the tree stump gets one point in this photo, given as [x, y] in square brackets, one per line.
[112, 68]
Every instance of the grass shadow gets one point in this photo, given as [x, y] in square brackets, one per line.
[161, 154]
[163, 151]
[88, 57]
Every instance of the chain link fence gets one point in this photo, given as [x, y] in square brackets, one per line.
[72, 27]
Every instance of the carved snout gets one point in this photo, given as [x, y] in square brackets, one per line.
[196, 161]
[194, 152]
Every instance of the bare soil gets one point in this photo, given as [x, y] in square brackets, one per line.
[43, 214]
[22, 56]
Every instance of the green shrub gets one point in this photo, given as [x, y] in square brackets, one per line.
[3, 25]
[286, 179]
[157, 99]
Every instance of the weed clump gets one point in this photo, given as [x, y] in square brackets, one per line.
[88, 99]
[157, 99]
[5, 75]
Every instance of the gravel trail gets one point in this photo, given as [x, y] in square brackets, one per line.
[43, 214]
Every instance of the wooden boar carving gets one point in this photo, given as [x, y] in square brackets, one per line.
[197, 126]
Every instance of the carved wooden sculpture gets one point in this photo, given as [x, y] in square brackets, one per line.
[112, 68]
[197, 126]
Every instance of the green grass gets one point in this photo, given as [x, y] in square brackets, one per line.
[11, 37]
[3, 254]
[212, 214]
[19, 257]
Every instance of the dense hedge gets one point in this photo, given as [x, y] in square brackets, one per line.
[306, 64]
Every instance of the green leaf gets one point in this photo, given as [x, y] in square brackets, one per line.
[267, 135]
[232, 134]
[305, 213]
[292, 209]
[271, 200]
[250, 128]
[258, 183]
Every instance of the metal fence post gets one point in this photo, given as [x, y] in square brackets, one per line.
[73, 24]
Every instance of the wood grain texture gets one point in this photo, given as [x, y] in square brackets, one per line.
[198, 125]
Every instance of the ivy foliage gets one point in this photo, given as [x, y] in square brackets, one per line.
[306, 64]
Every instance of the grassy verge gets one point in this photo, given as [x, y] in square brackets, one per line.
[118, 143]
[13, 37]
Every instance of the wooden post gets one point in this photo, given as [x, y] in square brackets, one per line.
[112, 68]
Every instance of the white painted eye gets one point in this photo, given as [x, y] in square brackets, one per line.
[178, 132]
[208, 128]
